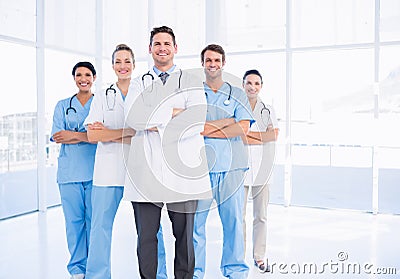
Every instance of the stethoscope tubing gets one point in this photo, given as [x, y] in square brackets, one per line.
[152, 78]
[269, 113]
[227, 102]
[70, 105]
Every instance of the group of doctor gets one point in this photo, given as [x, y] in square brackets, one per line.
[174, 140]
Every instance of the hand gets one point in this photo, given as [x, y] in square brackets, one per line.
[126, 140]
[96, 126]
[63, 136]
[276, 131]
[273, 130]
[176, 111]
[128, 132]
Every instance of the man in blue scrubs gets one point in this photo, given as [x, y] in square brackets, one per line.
[228, 118]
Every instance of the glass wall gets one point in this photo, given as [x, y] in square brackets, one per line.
[389, 20]
[331, 71]
[254, 24]
[76, 42]
[71, 25]
[389, 118]
[332, 116]
[332, 22]
[18, 122]
[13, 13]
[18, 130]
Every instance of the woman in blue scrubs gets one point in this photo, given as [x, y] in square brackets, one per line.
[75, 166]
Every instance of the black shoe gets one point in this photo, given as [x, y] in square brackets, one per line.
[262, 266]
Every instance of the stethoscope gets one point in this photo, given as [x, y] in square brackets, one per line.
[265, 109]
[70, 105]
[152, 79]
[71, 122]
[227, 102]
[110, 91]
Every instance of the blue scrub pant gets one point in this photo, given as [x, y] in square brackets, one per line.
[228, 192]
[162, 264]
[77, 207]
[105, 202]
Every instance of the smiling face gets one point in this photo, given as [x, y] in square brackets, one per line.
[163, 50]
[123, 64]
[213, 64]
[252, 86]
[84, 79]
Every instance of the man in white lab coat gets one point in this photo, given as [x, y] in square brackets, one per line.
[166, 162]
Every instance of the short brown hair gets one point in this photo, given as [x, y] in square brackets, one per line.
[162, 29]
[213, 47]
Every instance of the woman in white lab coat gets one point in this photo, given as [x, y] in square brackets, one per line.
[261, 149]
[106, 126]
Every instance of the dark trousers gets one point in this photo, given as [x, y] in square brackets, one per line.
[147, 219]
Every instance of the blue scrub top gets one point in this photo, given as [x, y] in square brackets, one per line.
[75, 161]
[227, 154]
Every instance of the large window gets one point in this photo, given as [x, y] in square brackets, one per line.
[389, 139]
[71, 25]
[13, 14]
[332, 22]
[186, 18]
[18, 130]
[254, 24]
[390, 20]
[125, 22]
[331, 71]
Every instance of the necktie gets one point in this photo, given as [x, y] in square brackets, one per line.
[163, 76]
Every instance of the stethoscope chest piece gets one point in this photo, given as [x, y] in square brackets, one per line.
[227, 102]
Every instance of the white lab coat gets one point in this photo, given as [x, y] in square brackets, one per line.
[168, 165]
[109, 167]
[261, 157]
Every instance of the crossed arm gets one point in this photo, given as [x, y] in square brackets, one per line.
[70, 137]
[226, 128]
[98, 132]
[271, 134]
[175, 112]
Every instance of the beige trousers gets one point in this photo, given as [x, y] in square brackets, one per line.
[260, 196]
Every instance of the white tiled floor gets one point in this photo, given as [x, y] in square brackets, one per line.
[33, 246]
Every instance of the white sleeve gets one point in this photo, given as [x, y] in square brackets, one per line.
[96, 110]
[273, 120]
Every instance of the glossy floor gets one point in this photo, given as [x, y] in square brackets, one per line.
[302, 243]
